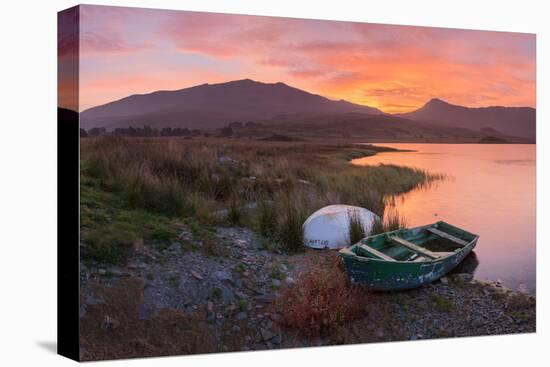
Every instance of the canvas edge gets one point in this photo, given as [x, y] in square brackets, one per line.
[68, 212]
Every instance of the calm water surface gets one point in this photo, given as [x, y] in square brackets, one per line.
[490, 191]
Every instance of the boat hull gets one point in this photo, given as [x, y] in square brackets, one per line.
[383, 275]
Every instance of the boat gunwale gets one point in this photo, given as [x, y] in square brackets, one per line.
[347, 251]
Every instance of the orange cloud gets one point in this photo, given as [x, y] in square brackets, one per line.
[397, 68]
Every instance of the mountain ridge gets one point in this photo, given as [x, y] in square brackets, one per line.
[212, 106]
[516, 121]
[216, 104]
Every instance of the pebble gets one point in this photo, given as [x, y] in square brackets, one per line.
[196, 275]
[241, 315]
[221, 275]
[241, 295]
[290, 281]
[265, 298]
[266, 334]
[227, 294]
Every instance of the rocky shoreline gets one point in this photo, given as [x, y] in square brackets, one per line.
[223, 291]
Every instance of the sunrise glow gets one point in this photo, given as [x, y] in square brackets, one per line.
[126, 51]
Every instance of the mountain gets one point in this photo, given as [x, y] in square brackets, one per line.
[210, 106]
[515, 121]
[377, 128]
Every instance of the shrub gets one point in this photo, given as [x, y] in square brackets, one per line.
[161, 197]
[290, 231]
[242, 304]
[234, 214]
[216, 293]
[267, 219]
[108, 245]
[321, 300]
[276, 273]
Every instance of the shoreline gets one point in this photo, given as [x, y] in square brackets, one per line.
[231, 303]
[390, 150]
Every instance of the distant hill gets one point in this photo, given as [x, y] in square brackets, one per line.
[280, 106]
[211, 106]
[386, 128]
[515, 121]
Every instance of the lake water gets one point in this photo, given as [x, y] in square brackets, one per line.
[490, 191]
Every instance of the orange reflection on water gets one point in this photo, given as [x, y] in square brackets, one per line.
[490, 191]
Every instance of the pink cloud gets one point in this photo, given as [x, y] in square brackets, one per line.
[382, 65]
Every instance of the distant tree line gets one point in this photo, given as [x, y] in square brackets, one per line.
[234, 126]
[147, 131]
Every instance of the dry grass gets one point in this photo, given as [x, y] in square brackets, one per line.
[356, 228]
[179, 178]
[321, 300]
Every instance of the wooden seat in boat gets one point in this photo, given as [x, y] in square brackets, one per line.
[447, 236]
[376, 253]
[419, 259]
[443, 253]
[414, 248]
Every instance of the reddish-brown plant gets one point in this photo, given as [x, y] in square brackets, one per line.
[321, 299]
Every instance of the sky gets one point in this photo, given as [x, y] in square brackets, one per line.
[126, 51]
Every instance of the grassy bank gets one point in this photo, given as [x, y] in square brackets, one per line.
[140, 189]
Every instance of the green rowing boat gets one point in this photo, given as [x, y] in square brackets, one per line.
[407, 258]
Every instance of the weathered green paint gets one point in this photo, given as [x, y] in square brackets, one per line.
[409, 270]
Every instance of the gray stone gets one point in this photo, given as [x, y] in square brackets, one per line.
[266, 334]
[185, 235]
[174, 247]
[196, 275]
[290, 281]
[265, 298]
[240, 243]
[276, 282]
[221, 275]
[227, 294]
[241, 295]
[91, 300]
[465, 277]
[444, 280]
[241, 316]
